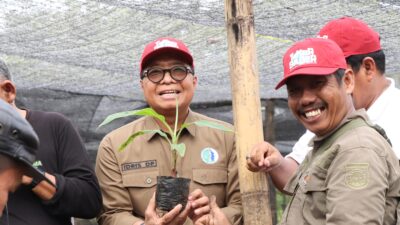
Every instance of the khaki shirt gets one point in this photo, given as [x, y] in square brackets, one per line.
[353, 178]
[128, 179]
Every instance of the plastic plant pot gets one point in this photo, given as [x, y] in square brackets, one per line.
[171, 191]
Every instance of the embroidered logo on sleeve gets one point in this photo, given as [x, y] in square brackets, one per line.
[138, 165]
[209, 155]
[357, 175]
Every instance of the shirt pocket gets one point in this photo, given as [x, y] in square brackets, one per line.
[140, 185]
[212, 181]
[210, 176]
[140, 179]
[312, 185]
[313, 180]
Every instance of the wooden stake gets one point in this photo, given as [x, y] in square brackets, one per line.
[246, 107]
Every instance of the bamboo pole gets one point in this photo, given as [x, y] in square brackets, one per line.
[246, 107]
[269, 135]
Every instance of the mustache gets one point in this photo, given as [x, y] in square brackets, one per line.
[314, 106]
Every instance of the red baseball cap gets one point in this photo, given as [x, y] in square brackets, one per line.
[165, 44]
[312, 56]
[353, 36]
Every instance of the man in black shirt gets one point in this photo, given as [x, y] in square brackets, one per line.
[64, 161]
[18, 146]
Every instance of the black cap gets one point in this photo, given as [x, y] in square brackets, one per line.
[18, 140]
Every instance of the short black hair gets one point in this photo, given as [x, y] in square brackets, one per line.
[355, 61]
[339, 75]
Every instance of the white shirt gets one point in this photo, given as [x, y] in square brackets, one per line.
[385, 112]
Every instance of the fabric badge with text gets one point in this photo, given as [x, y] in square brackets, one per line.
[139, 165]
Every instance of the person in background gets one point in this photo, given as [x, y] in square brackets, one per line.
[71, 188]
[167, 73]
[351, 175]
[18, 147]
[373, 91]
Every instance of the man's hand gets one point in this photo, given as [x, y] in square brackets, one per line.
[263, 157]
[200, 204]
[215, 217]
[42, 189]
[173, 217]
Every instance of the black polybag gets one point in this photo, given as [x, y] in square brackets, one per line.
[171, 191]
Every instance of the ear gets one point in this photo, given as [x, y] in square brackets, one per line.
[370, 68]
[8, 90]
[195, 81]
[141, 84]
[348, 81]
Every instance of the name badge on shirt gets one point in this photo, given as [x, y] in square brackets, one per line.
[138, 165]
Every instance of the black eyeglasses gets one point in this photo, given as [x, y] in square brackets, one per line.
[156, 74]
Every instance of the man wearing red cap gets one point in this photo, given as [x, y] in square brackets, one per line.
[351, 175]
[372, 91]
[167, 74]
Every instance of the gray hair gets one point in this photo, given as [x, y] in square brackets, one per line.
[4, 72]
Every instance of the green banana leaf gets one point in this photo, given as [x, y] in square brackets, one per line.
[140, 112]
[206, 123]
[137, 134]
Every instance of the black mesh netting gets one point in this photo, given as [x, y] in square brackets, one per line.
[81, 57]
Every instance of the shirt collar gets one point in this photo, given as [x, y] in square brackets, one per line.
[350, 116]
[377, 108]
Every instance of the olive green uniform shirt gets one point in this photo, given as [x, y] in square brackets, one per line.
[128, 179]
[350, 177]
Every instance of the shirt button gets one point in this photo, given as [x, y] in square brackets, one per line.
[148, 180]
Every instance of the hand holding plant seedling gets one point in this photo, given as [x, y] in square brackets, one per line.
[167, 194]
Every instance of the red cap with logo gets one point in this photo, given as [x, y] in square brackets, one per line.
[312, 56]
[165, 44]
[354, 36]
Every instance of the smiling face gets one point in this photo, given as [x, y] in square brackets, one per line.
[161, 96]
[320, 103]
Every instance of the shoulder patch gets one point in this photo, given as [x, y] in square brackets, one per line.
[357, 175]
